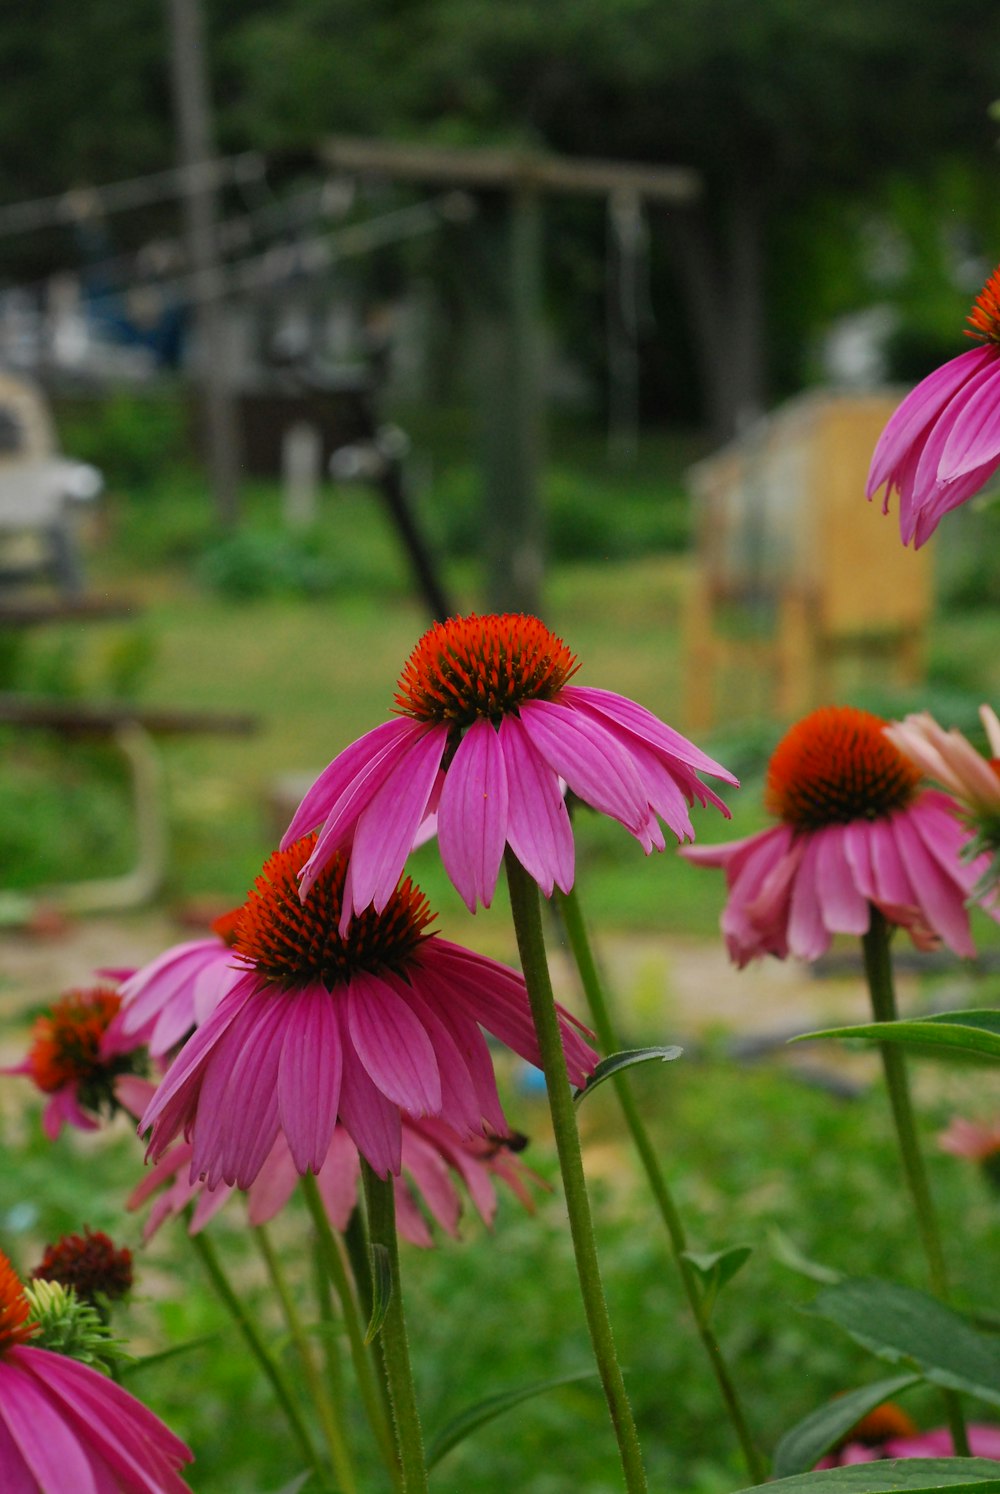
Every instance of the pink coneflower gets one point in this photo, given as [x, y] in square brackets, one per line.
[432, 1155]
[64, 1426]
[77, 1057]
[164, 1000]
[367, 1026]
[855, 831]
[488, 733]
[943, 443]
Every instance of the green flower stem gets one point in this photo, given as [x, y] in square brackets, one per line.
[327, 1406]
[590, 979]
[381, 1207]
[336, 1271]
[359, 1259]
[283, 1391]
[878, 970]
[524, 901]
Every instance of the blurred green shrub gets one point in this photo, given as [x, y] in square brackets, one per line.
[132, 438]
[271, 562]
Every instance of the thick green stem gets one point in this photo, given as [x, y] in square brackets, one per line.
[524, 901]
[381, 1207]
[327, 1406]
[878, 969]
[593, 987]
[336, 1271]
[272, 1370]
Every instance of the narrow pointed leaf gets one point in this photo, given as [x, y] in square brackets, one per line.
[381, 1290]
[973, 1034]
[788, 1254]
[804, 1444]
[911, 1328]
[717, 1268]
[615, 1063]
[483, 1412]
[133, 1366]
[889, 1475]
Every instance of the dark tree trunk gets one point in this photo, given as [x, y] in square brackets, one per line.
[720, 263]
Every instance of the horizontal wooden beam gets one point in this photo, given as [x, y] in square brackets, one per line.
[507, 169]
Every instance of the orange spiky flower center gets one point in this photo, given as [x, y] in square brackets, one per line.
[887, 1420]
[294, 943]
[472, 667]
[89, 1263]
[984, 318]
[14, 1308]
[835, 766]
[66, 1048]
[225, 926]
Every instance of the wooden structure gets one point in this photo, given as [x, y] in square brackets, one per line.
[505, 278]
[39, 489]
[796, 573]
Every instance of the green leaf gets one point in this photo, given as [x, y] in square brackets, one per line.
[804, 1444]
[381, 1290]
[716, 1269]
[975, 1033]
[474, 1417]
[907, 1475]
[133, 1366]
[908, 1327]
[615, 1063]
[787, 1253]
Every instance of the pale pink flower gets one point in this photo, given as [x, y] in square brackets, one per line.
[952, 761]
[942, 445]
[78, 1057]
[984, 1442]
[370, 1026]
[489, 733]
[855, 831]
[432, 1152]
[66, 1428]
[975, 1140]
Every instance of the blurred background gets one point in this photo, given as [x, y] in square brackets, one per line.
[323, 318]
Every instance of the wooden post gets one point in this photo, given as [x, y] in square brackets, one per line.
[194, 130]
[512, 517]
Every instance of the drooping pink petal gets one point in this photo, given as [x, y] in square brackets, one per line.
[179, 1088]
[648, 728]
[843, 907]
[134, 1444]
[459, 1100]
[807, 934]
[309, 1077]
[596, 767]
[46, 1444]
[392, 1045]
[929, 468]
[386, 829]
[410, 1222]
[917, 411]
[426, 1166]
[17, 1476]
[472, 815]
[341, 823]
[338, 1179]
[237, 1118]
[349, 771]
[538, 826]
[939, 899]
[892, 885]
[372, 1121]
[973, 440]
